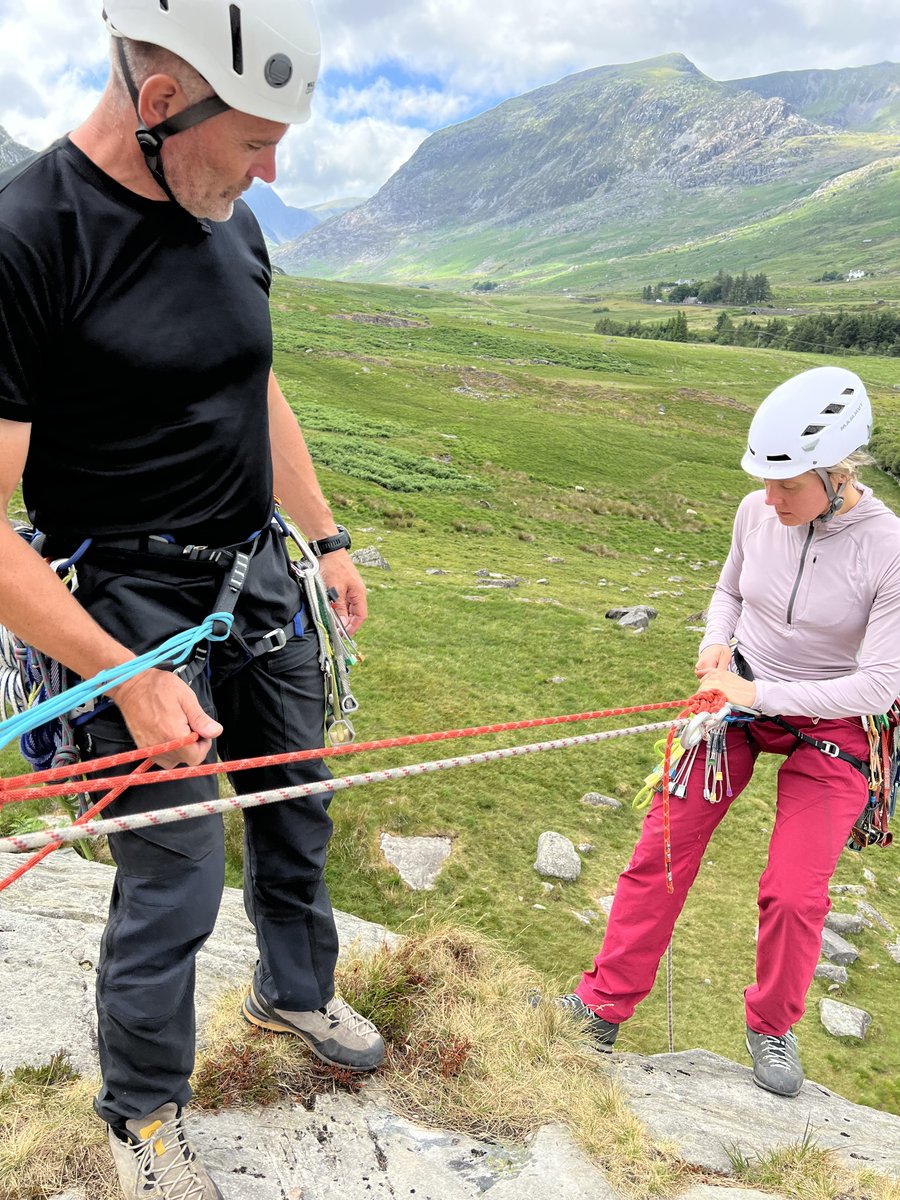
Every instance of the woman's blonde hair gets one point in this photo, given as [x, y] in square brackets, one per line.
[850, 465]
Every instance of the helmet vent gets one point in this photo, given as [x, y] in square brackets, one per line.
[833, 409]
[164, 5]
[237, 41]
[778, 458]
[811, 429]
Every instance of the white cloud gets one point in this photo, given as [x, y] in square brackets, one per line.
[510, 45]
[325, 160]
[383, 99]
[449, 60]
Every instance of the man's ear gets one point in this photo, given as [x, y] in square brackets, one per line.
[161, 97]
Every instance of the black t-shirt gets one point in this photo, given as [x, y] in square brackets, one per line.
[137, 342]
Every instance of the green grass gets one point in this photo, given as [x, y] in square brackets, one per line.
[600, 471]
[659, 493]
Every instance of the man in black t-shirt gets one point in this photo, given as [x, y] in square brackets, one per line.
[139, 408]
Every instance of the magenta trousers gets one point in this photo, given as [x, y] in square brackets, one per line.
[819, 799]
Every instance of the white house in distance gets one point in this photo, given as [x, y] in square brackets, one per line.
[857, 274]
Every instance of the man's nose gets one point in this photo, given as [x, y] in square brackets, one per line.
[264, 166]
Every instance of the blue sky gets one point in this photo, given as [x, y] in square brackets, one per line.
[394, 71]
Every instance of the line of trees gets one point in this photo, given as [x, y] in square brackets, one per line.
[832, 333]
[673, 330]
[721, 289]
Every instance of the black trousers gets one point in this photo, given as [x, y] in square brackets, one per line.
[169, 879]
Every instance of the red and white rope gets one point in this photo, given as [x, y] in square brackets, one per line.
[165, 816]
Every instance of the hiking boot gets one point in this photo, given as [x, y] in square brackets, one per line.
[336, 1033]
[155, 1162]
[602, 1033]
[776, 1063]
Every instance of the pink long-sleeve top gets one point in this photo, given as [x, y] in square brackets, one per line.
[815, 609]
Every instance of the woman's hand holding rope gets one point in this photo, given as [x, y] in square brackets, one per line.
[732, 687]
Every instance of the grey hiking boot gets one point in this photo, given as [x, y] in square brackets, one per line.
[336, 1033]
[155, 1162]
[603, 1033]
[776, 1063]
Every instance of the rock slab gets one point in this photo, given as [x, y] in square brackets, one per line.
[704, 1103]
[51, 922]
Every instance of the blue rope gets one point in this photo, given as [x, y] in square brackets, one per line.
[177, 649]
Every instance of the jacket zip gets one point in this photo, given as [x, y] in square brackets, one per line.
[803, 554]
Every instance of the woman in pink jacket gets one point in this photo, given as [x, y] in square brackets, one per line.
[804, 626]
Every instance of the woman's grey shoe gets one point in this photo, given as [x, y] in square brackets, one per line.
[776, 1063]
[336, 1032]
[155, 1162]
[603, 1033]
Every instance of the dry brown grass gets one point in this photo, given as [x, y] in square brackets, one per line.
[50, 1138]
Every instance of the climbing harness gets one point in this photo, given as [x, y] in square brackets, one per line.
[31, 682]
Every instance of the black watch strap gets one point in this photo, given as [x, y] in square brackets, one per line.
[334, 541]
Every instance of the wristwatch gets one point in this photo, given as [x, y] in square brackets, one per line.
[334, 541]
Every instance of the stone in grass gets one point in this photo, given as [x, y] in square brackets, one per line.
[832, 972]
[370, 556]
[844, 923]
[843, 1020]
[605, 904]
[870, 914]
[586, 917]
[847, 889]
[637, 618]
[893, 949]
[837, 950]
[598, 800]
[557, 857]
[419, 860]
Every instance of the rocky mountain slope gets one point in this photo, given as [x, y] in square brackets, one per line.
[866, 99]
[605, 163]
[10, 152]
[278, 221]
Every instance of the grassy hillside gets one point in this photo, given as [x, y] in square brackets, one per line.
[660, 490]
[500, 435]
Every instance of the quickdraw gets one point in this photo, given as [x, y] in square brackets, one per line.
[337, 650]
[28, 678]
[872, 827]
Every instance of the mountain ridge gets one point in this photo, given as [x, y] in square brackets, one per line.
[598, 163]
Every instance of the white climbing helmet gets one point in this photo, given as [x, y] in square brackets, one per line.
[259, 56]
[808, 423]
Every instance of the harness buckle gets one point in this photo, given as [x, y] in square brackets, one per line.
[275, 639]
[193, 551]
[830, 748]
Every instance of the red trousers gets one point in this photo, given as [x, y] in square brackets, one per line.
[819, 799]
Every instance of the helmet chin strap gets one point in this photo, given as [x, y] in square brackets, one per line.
[835, 496]
[151, 140]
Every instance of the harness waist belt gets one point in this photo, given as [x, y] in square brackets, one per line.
[830, 748]
[156, 544]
